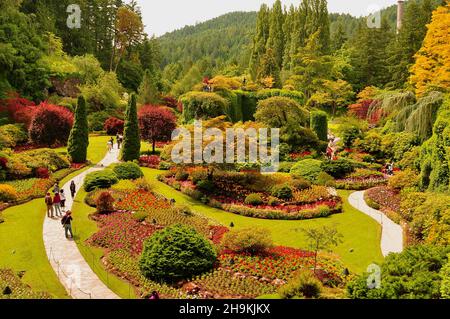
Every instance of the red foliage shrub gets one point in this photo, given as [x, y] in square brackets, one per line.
[3, 162]
[105, 203]
[172, 103]
[19, 110]
[113, 126]
[151, 161]
[51, 124]
[360, 110]
[42, 172]
[217, 233]
[156, 123]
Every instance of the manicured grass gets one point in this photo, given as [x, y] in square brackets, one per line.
[362, 235]
[96, 150]
[22, 247]
[84, 228]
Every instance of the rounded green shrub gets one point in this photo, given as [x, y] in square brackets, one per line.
[101, 179]
[128, 170]
[247, 240]
[304, 285]
[203, 105]
[282, 191]
[325, 179]
[308, 169]
[338, 168]
[254, 200]
[176, 252]
[205, 185]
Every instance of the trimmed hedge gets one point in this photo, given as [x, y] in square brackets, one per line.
[101, 179]
[308, 169]
[203, 105]
[128, 170]
[176, 252]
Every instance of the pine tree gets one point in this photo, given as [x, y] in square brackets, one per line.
[131, 138]
[402, 49]
[148, 90]
[288, 30]
[339, 38]
[275, 42]
[260, 40]
[79, 135]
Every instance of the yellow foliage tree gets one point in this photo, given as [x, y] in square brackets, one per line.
[431, 70]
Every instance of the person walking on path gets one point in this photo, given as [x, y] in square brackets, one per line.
[49, 203]
[57, 205]
[66, 221]
[63, 199]
[110, 146]
[73, 189]
[56, 188]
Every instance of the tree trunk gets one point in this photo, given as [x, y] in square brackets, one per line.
[154, 146]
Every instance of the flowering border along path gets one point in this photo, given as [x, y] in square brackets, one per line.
[72, 270]
[392, 233]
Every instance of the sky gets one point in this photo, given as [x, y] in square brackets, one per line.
[161, 16]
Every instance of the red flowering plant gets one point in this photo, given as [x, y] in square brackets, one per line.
[113, 126]
[280, 263]
[42, 172]
[121, 231]
[140, 200]
[151, 161]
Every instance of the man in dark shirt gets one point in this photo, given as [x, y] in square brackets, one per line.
[67, 224]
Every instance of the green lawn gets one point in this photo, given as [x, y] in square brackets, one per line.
[84, 228]
[362, 234]
[22, 247]
[21, 244]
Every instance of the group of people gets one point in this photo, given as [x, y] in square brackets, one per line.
[56, 206]
[119, 141]
[389, 169]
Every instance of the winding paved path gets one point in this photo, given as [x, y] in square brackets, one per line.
[392, 233]
[69, 265]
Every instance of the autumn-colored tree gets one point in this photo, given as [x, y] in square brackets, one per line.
[156, 124]
[129, 31]
[431, 69]
[51, 124]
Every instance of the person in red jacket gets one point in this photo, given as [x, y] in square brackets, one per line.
[57, 205]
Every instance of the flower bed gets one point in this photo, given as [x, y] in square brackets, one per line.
[121, 231]
[383, 198]
[360, 184]
[16, 289]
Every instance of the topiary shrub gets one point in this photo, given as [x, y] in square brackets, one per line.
[247, 240]
[254, 200]
[324, 179]
[128, 170]
[338, 168]
[319, 124]
[304, 285]
[104, 203]
[308, 169]
[8, 193]
[79, 135]
[101, 179]
[176, 252]
[202, 105]
[282, 191]
[131, 148]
